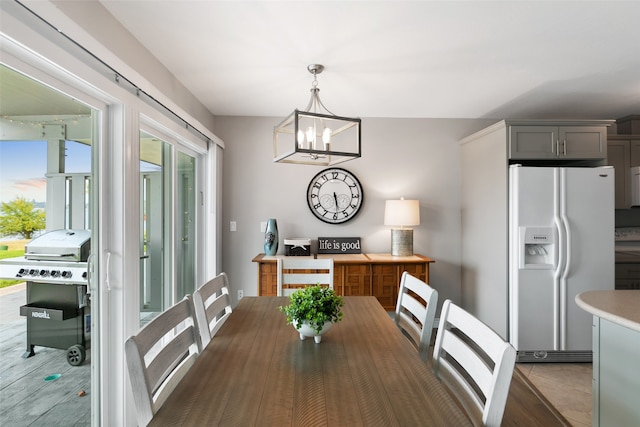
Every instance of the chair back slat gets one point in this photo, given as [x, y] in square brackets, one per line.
[163, 323]
[415, 316]
[168, 358]
[218, 311]
[474, 363]
[159, 356]
[213, 306]
[294, 273]
[214, 286]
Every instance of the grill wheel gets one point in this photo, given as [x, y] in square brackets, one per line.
[76, 354]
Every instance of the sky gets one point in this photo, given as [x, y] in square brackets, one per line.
[23, 165]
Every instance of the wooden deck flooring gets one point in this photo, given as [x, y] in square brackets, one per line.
[26, 399]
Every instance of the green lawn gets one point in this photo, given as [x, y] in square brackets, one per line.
[10, 254]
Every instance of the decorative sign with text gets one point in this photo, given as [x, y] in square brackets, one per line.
[339, 245]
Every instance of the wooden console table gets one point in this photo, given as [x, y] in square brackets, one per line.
[355, 274]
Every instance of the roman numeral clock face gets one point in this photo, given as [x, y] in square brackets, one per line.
[335, 195]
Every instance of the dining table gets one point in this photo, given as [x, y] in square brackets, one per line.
[257, 372]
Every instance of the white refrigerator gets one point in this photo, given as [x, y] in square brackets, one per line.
[561, 243]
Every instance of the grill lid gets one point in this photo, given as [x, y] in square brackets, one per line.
[60, 245]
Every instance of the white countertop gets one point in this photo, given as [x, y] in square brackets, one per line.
[621, 307]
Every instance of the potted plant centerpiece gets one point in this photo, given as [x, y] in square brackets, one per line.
[312, 310]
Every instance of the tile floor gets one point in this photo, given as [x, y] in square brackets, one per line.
[566, 385]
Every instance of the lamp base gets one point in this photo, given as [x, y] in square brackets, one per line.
[401, 242]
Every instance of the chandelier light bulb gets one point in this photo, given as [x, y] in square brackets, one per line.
[300, 139]
[326, 136]
[311, 137]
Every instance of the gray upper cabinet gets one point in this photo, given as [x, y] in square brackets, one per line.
[619, 157]
[542, 142]
[623, 153]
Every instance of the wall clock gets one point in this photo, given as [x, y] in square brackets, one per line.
[335, 195]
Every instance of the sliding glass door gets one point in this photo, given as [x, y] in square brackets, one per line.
[186, 225]
[168, 220]
[155, 220]
[49, 165]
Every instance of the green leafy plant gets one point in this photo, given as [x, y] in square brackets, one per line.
[315, 305]
[20, 217]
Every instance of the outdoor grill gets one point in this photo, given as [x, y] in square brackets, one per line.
[57, 309]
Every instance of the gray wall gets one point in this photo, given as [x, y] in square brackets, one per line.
[411, 158]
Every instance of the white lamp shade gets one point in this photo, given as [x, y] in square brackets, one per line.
[402, 212]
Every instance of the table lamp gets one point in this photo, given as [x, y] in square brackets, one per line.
[401, 213]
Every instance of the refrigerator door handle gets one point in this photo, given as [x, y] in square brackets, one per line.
[560, 255]
[566, 249]
[557, 279]
[562, 270]
[563, 284]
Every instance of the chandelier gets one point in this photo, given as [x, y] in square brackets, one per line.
[316, 136]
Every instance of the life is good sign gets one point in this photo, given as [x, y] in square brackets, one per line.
[339, 245]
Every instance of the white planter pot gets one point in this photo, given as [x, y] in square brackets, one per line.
[307, 331]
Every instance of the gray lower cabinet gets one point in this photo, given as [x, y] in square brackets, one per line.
[616, 374]
[627, 276]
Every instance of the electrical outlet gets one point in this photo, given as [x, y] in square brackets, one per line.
[240, 294]
[232, 226]
[263, 226]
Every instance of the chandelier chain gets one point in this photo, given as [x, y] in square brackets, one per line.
[315, 102]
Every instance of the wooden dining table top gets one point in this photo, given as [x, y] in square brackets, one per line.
[256, 371]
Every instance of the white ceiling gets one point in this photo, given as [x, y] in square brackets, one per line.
[436, 59]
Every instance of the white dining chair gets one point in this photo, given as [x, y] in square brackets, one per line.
[297, 272]
[414, 316]
[213, 306]
[474, 363]
[160, 355]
